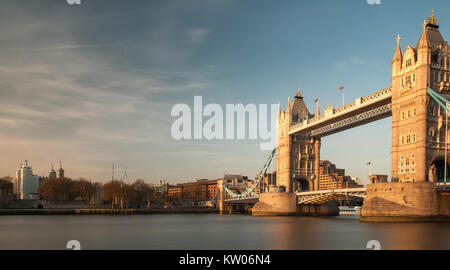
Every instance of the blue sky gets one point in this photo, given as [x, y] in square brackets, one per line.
[94, 84]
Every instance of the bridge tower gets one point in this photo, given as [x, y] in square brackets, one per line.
[418, 123]
[297, 155]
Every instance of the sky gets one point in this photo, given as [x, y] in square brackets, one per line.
[93, 84]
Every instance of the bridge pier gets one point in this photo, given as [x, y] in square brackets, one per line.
[325, 209]
[275, 204]
[405, 202]
[285, 204]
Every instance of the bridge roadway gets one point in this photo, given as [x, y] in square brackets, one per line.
[359, 112]
[311, 197]
[322, 196]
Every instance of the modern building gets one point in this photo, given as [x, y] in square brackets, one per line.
[161, 188]
[26, 183]
[268, 183]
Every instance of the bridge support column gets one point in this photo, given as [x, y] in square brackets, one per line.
[220, 196]
[316, 163]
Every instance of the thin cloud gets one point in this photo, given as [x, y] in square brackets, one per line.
[62, 47]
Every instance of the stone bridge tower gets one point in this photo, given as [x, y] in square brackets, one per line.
[418, 122]
[297, 156]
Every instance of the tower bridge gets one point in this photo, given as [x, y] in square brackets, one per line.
[419, 121]
[417, 101]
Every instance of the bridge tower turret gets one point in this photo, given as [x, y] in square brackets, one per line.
[297, 155]
[418, 123]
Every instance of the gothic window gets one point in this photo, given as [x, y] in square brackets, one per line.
[408, 62]
[403, 115]
[414, 112]
[409, 113]
[414, 138]
[408, 138]
[431, 132]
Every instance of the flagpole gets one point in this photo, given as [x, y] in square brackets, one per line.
[342, 89]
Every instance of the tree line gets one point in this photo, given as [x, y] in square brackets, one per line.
[6, 186]
[116, 192]
[65, 189]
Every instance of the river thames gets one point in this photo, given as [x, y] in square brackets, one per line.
[210, 231]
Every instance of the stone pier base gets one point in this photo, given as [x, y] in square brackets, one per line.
[285, 204]
[325, 209]
[405, 202]
[275, 204]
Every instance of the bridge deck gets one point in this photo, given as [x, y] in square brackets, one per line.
[321, 196]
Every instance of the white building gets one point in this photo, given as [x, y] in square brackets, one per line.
[26, 183]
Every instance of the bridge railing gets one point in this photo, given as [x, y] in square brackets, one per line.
[342, 190]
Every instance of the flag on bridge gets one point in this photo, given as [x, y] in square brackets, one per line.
[341, 88]
[316, 100]
[368, 163]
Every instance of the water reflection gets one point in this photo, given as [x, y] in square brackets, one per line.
[215, 232]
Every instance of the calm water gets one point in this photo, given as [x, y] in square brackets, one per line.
[215, 232]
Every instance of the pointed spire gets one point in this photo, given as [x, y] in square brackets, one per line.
[299, 94]
[289, 104]
[431, 20]
[423, 43]
[398, 57]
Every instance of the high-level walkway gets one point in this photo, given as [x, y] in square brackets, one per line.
[359, 112]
